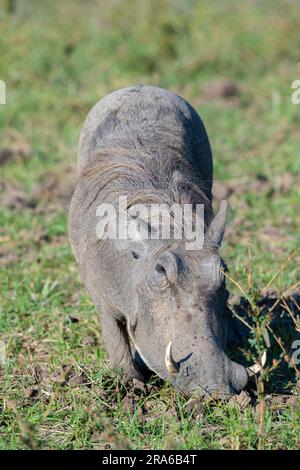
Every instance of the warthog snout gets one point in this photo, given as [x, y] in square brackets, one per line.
[225, 380]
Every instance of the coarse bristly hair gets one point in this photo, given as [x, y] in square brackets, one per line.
[144, 178]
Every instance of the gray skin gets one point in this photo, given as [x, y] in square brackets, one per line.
[151, 145]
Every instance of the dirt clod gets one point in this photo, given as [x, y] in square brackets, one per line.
[220, 88]
[13, 145]
[242, 400]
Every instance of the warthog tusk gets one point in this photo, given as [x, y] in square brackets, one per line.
[256, 368]
[171, 365]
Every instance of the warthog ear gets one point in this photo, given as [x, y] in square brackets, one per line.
[215, 232]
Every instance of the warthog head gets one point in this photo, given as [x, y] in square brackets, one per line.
[178, 323]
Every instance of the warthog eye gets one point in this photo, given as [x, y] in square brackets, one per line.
[135, 254]
[159, 268]
[158, 279]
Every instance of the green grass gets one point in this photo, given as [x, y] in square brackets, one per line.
[58, 59]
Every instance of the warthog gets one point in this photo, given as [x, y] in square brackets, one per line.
[162, 307]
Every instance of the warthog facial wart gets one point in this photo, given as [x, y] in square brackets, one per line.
[147, 242]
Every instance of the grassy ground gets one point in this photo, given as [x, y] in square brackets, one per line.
[58, 59]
